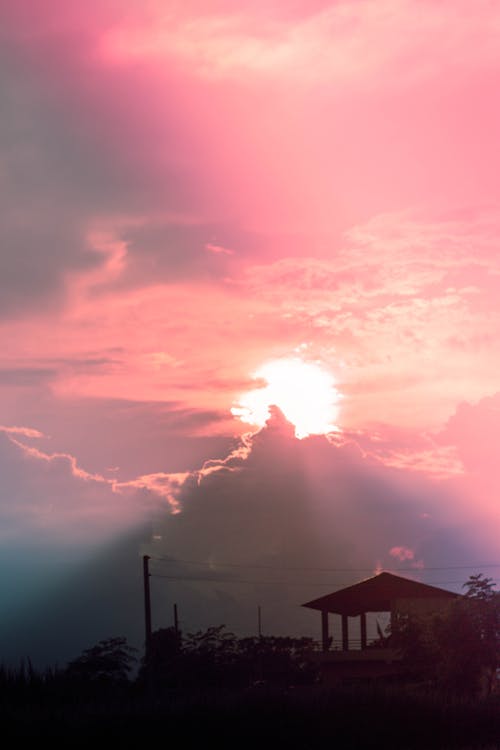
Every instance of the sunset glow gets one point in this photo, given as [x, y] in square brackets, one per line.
[303, 391]
[216, 207]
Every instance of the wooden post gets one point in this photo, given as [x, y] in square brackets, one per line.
[147, 602]
[325, 639]
[363, 629]
[176, 620]
[345, 633]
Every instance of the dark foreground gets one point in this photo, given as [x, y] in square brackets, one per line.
[307, 717]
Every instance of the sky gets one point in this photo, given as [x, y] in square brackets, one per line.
[249, 308]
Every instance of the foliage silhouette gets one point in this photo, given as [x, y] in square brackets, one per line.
[456, 649]
[108, 662]
[217, 658]
[205, 683]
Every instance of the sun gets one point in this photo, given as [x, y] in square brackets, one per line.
[304, 392]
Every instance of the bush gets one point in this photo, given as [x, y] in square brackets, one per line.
[456, 649]
[108, 662]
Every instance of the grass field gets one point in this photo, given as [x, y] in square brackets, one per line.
[308, 717]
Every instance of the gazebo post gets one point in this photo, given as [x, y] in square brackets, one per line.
[345, 633]
[363, 629]
[325, 639]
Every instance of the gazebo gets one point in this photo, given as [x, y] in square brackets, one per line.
[384, 592]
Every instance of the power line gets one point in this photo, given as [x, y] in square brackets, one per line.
[237, 580]
[323, 570]
[278, 583]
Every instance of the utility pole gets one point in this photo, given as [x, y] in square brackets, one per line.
[176, 620]
[147, 602]
[260, 660]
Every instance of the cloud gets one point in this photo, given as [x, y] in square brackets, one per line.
[272, 523]
[26, 376]
[70, 544]
[221, 159]
[68, 168]
[218, 249]
[474, 429]
[46, 195]
[39, 373]
[28, 432]
[134, 438]
[190, 190]
[474, 432]
[406, 335]
[402, 553]
[284, 512]
[359, 40]
[402, 307]
[407, 450]
[171, 251]
[49, 498]
[130, 440]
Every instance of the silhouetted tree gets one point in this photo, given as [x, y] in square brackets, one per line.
[162, 662]
[280, 660]
[457, 649]
[480, 610]
[210, 657]
[217, 658]
[108, 662]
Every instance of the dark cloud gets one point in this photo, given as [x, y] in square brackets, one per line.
[26, 376]
[76, 149]
[69, 554]
[136, 437]
[69, 156]
[42, 218]
[63, 168]
[288, 509]
[83, 363]
[175, 251]
[48, 496]
[275, 523]
[40, 372]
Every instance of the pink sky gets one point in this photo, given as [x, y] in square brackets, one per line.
[192, 190]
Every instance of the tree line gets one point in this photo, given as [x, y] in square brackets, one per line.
[455, 650]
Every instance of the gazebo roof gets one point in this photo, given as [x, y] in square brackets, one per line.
[377, 594]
